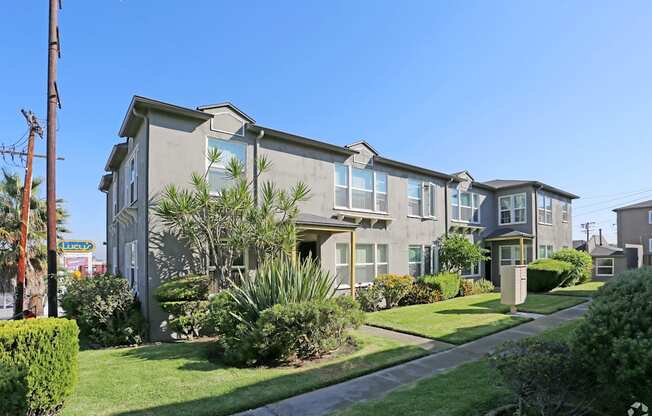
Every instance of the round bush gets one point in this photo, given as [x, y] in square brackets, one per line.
[185, 299]
[615, 338]
[420, 293]
[394, 287]
[546, 274]
[582, 265]
[448, 284]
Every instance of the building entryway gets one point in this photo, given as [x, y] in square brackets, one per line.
[307, 249]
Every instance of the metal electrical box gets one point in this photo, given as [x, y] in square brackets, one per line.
[513, 285]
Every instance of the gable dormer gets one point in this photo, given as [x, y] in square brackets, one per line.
[365, 153]
[227, 118]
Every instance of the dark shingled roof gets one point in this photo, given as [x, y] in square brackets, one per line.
[601, 251]
[643, 204]
[507, 233]
[317, 220]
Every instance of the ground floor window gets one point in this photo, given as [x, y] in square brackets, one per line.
[545, 251]
[472, 271]
[415, 260]
[511, 255]
[114, 261]
[371, 260]
[604, 267]
[131, 264]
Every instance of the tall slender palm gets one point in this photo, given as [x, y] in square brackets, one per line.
[11, 190]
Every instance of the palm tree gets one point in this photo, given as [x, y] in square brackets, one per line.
[11, 190]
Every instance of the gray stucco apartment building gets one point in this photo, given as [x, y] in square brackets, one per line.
[392, 213]
[634, 230]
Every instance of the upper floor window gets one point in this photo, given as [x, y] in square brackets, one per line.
[361, 189]
[465, 206]
[512, 209]
[544, 209]
[218, 178]
[114, 195]
[415, 197]
[565, 207]
[649, 217]
[131, 187]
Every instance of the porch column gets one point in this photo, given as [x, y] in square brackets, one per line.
[522, 251]
[352, 264]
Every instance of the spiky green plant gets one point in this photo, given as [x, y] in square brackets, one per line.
[281, 281]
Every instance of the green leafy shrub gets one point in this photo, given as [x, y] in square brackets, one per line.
[546, 274]
[466, 287]
[369, 298]
[393, 287]
[615, 338]
[582, 265]
[457, 253]
[105, 309]
[483, 286]
[544, 375]
[185, 299]
[420, 293]
[448, 284]
[38, 365]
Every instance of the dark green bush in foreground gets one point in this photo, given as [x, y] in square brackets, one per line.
[448, 284]
[615, 339]
[185, 299]
[38, 365]
[546, 274]
[105, 309]
[581, 261]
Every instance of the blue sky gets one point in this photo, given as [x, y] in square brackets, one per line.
[555, 91]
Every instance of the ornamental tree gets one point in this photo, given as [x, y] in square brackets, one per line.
[457, 253]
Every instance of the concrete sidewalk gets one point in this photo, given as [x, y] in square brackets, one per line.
[378, 384]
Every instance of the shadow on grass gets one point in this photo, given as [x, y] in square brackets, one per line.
[195, 354]
[274, 389]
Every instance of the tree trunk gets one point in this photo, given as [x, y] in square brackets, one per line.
[35, 292]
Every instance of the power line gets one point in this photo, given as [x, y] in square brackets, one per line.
[611, 207]
[614, 199]
[615, 194]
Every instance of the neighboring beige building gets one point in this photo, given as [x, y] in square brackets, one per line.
[394, 211]
[634, 224]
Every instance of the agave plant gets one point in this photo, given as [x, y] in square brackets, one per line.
[281, 281]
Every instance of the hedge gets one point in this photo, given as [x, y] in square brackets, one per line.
[582, 265]
[185, 299]
[546, 274]
[38, 365]
[448, 284]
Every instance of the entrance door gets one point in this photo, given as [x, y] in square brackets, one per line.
[307, 249]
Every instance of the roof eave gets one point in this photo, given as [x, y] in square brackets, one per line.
[105, 182]
[118, 153]
[232, 106]
[301, 140]
[130, 123]
[414, 168]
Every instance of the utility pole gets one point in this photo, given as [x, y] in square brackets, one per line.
[34, 127]
[54, 52]
[587, 226]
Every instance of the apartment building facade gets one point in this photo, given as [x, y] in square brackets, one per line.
[634, 230]
[367, 214]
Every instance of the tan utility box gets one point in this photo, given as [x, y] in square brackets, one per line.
[513, 285]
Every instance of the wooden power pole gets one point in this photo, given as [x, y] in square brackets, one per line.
[54, 50]
[34, 127]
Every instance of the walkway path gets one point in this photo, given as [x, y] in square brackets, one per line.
[376, 385]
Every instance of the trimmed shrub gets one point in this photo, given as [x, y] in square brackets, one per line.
[448, 284]
[582, 265]
[393, 287]
[38, 365]
[466, 287]
[615, 339]
[185, 299]
[369, 298]
[544, 375]
[419, 294]
[483, 286]
[105, 309]
[283, 332]
[546, 274]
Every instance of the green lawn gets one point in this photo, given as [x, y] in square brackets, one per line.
[469, 390]
[584, 290]
[177, 379]
[464, 319]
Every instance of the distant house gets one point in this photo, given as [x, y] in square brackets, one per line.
[608, 260]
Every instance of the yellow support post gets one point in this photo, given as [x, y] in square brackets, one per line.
[352, 264]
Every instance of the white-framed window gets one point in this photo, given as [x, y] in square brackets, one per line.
[604, 266]
[415, 198]
[565, 210]
[131, 264]
[649, 245]
[218, 178]
[511, 255]
[114, 195]
[649, 217]
[473, 271]
[465, 206]
[544, 209]
[371, 260]
[131, 185]
[360, 189]
[512, 209]
[429, 200]
[545, 251]
[415, 260]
